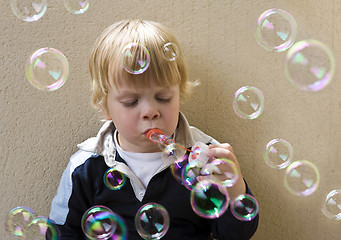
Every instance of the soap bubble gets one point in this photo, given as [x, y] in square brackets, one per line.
[331, 206]
[309, 65]
[178, 166]
[275, 30]
[135, 58]
[209, 199]
[114, 179]
[47, 69]
[18, 220]
[244, 207]
[302, 178]
[41, 227]
[120, 232]
[222, 170]
[189, 175]
[170, 51]
[99, 222]
[248, 102]
[77, 6]
[29, 10]
[278, 153]
[152, 221]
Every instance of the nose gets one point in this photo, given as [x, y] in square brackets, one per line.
[150, 111]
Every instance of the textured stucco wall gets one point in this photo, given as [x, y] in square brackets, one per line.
[40, 130]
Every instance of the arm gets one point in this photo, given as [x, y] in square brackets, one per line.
[227, 226]
[70, 202]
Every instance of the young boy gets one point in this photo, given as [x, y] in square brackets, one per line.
[132, 105]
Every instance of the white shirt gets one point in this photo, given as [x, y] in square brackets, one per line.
[144, 165]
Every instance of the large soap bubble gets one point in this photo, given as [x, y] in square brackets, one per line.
[99, 222]
[209, 199]
[152, 221]
[77, 6]
[41, 227]
[244, 207]
[18, 220]
[302, 178]
[29, 10]
[331, 206]
[309, 65]
[47, 69]
[276, 30]
[278, 153]
[248, 102]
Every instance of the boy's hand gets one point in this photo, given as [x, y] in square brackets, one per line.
[225, 150]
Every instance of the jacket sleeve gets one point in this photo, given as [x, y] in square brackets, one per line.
[71, 200]
[229, 227]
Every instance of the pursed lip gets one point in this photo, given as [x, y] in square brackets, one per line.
[145, 132]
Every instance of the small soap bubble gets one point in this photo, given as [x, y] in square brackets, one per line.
[29, 10]
[331, 206]
[41, 227]
[309, 65]
[244, 207]
[248, 102]
[170, 51]
[209, 199]
[99, 222]
[278, 153]
[302, 178]
[152, 221]
[77, 6]
[18, 220]
[189, 175]
[135, 58]
[276, 30]
[114, 179]
[47, 69]
[222, 170]
[178, 166]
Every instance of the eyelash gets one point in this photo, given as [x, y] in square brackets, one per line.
[133, 103]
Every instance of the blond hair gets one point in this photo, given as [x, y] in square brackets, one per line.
[105, 62]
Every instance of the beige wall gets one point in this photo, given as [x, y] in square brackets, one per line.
[40, 130]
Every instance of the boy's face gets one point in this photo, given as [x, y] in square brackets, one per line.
[134, 111]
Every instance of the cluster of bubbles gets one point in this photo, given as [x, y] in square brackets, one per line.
[23, 223]
[136, 56]
[209, 197]
[33, 10]
[302, 177]
[47, 68]
[309, 66]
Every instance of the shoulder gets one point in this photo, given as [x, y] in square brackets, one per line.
[79, 158]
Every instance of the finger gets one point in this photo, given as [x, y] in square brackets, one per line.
[222, 145]
[221, 153]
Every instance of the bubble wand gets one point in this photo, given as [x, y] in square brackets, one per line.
[159, 137]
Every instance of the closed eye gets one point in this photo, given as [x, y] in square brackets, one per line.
[164, 100]
[130, 103]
